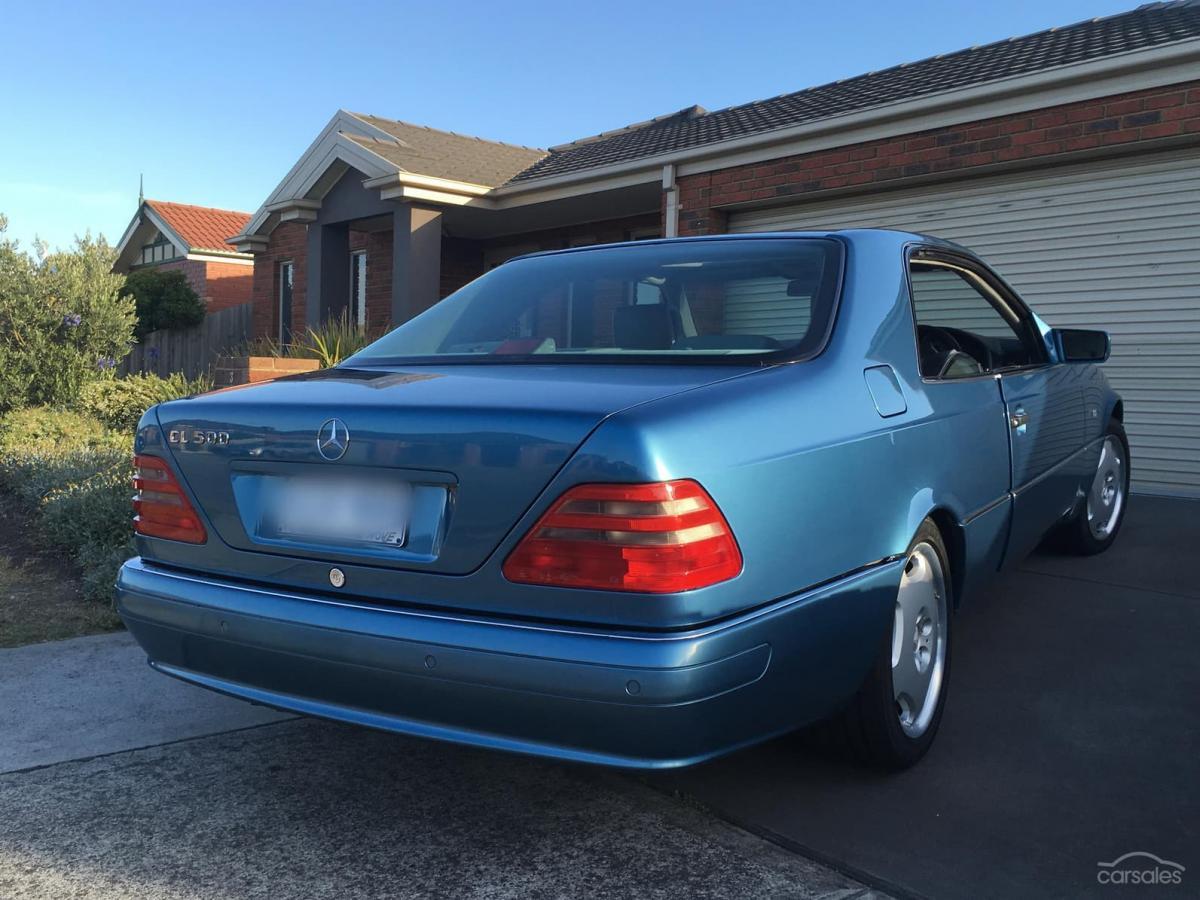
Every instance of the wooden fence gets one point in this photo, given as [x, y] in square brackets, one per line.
[191, 351]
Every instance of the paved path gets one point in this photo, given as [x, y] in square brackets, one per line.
[121, 783]
[94, 695]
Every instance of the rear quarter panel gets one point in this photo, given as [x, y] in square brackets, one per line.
[813, 481]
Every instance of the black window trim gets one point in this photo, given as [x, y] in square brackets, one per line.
[918, 253]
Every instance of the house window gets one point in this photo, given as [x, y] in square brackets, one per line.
[286, 270]
[157, 250]
[358, 288]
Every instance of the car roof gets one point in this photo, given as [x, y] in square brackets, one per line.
[849, 235]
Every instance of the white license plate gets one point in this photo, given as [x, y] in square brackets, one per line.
[336, 511]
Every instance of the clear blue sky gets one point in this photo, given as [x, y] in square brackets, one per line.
[214, 102]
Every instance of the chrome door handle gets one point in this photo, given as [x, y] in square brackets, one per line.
[1019, 420]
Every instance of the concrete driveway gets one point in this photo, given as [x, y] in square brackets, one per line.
[1071, 738]
[116, 782]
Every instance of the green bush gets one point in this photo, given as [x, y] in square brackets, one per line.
[63, 321]
[120, 402]
[163, 298]
[75, 473]
[40, 431]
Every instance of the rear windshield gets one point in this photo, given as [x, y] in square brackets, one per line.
[691, 300]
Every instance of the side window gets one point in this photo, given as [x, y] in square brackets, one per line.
[961, 331]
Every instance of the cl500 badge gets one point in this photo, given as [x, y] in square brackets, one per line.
[195, 437]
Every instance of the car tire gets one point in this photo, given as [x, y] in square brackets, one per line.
[883, 726]
[1094, 527]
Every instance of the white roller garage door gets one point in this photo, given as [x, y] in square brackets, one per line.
[1111, 245]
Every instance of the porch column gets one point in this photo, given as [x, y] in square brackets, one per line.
[328, 272]
[416, 261]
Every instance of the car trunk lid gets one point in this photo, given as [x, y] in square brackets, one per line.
[471, 446]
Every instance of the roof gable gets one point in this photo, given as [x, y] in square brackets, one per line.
[443, 154]
[201, 228]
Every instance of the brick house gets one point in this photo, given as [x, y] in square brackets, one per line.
[195, 240]
[1069, 158]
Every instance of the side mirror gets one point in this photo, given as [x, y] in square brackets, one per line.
[1077, 345]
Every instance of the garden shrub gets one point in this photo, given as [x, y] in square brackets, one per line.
[40, 431]
[63, 321]
[163, 298]
[75, 474]
[120, 402]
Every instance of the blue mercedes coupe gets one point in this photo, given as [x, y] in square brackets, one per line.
[638, 505]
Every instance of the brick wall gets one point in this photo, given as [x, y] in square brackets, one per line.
[193, 270]
[1156, 116]
[288, 242]
[220, 285]
[228, 284]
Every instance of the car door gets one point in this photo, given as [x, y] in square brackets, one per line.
[958, 297]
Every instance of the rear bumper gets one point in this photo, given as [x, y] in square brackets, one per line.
[642, 700]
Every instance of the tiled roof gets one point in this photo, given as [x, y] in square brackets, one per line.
[1151, 25]
[201, 227]
[444, 154]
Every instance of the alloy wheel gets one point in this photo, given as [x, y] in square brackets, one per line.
[1106, 498]
[919, 639]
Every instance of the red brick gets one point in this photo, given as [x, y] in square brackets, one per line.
[1085, 142]
[933, 153]
[1063, 131]
[919, 143]
[978, 159]
[1123, 107]
[1045, 149]
[1012, 126]
[1050, 119]
[1175, 113]
[1029, 137]
[983, 132]
[1120, 137]
[1162, 129]
[1085, 113]
[1164, 100]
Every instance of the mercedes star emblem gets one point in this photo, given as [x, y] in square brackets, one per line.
[333, 439]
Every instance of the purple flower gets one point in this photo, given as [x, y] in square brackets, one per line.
[152, 353]
[105, 362]
[72, 320]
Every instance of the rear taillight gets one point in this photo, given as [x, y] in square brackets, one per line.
[657, 538]
[162, 509]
